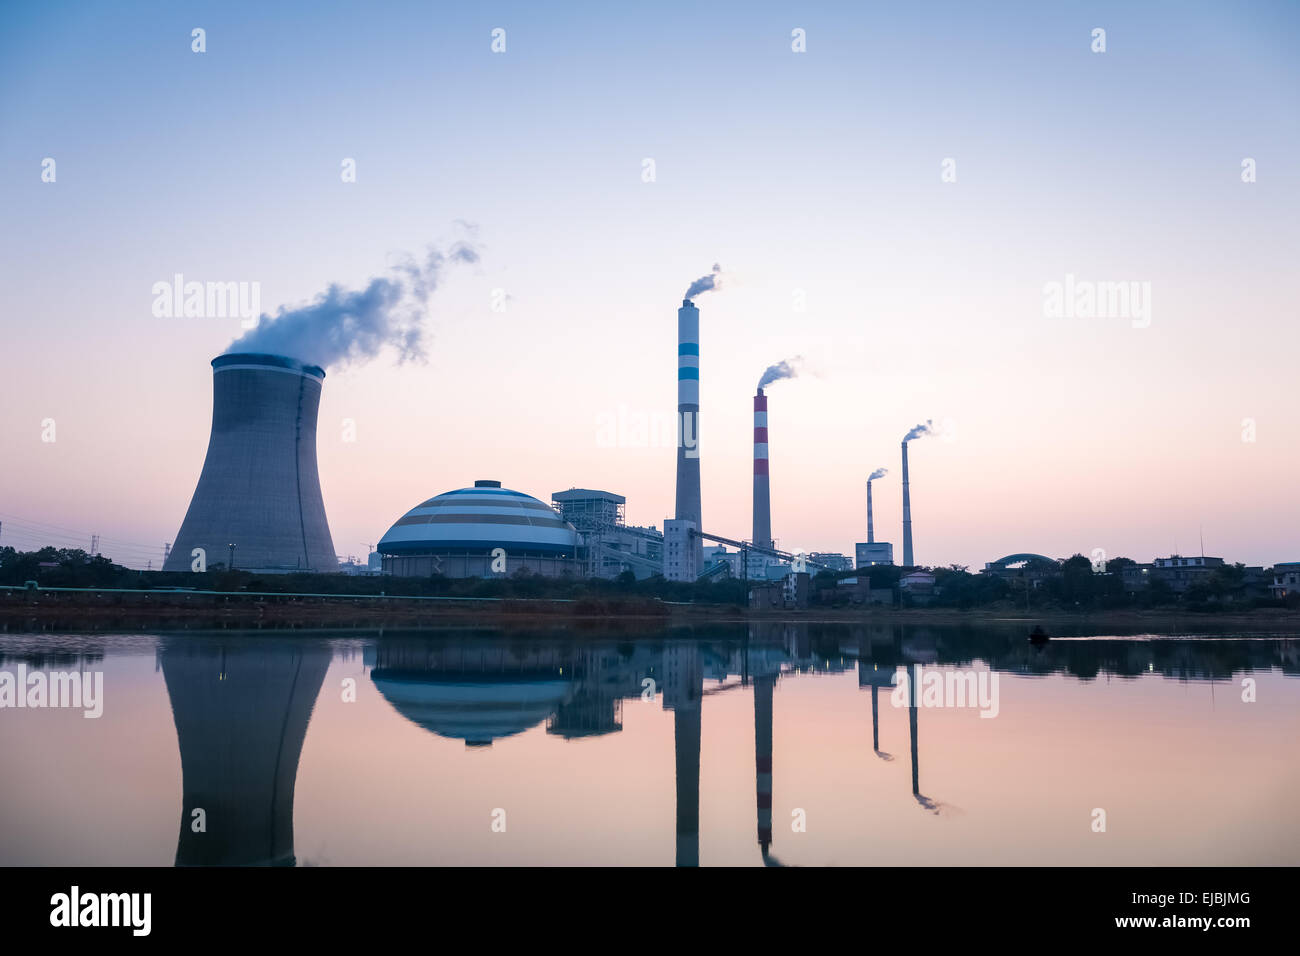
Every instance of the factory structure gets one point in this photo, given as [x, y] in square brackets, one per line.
[258, 505]
[871, 552]
[611, 547]
[480, 531]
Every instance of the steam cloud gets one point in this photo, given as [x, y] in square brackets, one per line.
[927, 428]
[704, 283]
[787, 368]
[346, 326]
[878, 473]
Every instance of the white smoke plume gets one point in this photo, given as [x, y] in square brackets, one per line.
[787, 368]
[349, 326]
[927, 428]
[704, 283]
[878, 473]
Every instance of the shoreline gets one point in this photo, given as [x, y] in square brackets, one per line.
[89, 610]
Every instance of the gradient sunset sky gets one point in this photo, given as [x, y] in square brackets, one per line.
[813, 175]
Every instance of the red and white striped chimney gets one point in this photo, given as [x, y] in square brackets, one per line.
[762, 490]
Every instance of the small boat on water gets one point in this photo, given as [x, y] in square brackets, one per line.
[1038, 635]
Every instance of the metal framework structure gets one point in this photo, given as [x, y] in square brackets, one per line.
[745, 548]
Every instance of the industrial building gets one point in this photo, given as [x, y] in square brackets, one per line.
[724, 563]
[872, 552]
[258, 503]
[610, 546]
[869, 553]
[683, 551]
[483, 531]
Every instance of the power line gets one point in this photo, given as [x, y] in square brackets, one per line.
[77, 532]
[44, 538]
[32, 537]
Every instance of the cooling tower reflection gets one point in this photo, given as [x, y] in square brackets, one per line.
[241, 709]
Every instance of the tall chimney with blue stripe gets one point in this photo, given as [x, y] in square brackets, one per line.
[688, 420]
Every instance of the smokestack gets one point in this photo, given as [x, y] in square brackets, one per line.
[871, 532]
[688, 420]
[878, 473]
[907, 514]
[762, 490]
[258, 504]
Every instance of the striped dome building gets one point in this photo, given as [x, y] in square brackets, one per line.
[455, 534]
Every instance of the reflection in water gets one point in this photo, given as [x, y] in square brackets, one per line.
[470, 692]
[242, 705]
[876, 661]
[683, 691]
[880, 651]
[241, 710]
[764, 684]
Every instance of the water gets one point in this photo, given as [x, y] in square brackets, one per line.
[559, 746]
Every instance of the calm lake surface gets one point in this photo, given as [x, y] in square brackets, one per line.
[784, 744]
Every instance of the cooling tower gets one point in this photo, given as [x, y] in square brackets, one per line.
[259, 489]
[907, 515]
[871, 531]
[762, 489]
[688, 418]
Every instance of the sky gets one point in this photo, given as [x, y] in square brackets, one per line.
[816, 179]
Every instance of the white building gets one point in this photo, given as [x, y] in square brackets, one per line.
[918, 582]
[680, 550]
[1286, 579]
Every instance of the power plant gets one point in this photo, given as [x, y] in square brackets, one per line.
[258, 507]
[258, 503]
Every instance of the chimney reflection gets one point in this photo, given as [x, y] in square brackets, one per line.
[683, 692]
[880, 653]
